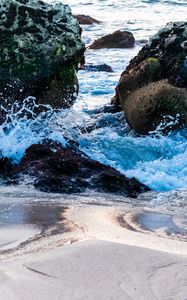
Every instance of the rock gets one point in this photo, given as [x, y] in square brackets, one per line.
[97, 68]
[118, 39]
[108, 109]
[68, 170]
[142, 42]
[154, 83]
[40, 48]
[146, 107]
[5, 166]
[86, 20]
[147, 71]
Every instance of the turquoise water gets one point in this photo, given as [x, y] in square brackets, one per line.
[158, 161]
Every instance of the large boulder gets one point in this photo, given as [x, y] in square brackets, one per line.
[40, 48]
[154, 103]
[117, 39]
[68, 170]
[154, 84]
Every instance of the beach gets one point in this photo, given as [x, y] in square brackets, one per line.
[97, 257]
[90, 207]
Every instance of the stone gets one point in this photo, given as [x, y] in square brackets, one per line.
[97, 68]
[118, 39]
[108, 109]
[147, 71]
[40, 49]
[86, 20]
[150, 105]
[5, 166]
[59, 169]
[154, 83]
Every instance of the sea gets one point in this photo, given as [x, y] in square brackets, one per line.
[157, 160]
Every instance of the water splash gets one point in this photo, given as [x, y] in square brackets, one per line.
[24, 127]
[158, 161]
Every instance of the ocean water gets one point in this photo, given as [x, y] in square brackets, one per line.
[156, 160]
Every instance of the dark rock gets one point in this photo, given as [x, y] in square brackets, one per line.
[97, 68]
[118, 39]
[142, 42]
[86, 20]
[5, 166]
[162, 62]
[67, 170]
[40, 49]
[109, 109]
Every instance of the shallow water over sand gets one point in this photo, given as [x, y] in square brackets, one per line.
[31, 217]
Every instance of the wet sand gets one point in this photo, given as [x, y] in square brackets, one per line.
[22, 223]
[91, 252]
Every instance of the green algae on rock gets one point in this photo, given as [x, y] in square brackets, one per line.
[160, 68]
[40, 49]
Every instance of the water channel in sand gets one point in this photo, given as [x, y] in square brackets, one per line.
[29, 217]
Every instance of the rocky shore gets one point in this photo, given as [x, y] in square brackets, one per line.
[153, 88]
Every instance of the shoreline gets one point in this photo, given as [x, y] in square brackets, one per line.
[96, 255]
[82, 222]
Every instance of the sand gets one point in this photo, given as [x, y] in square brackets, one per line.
[96, 270]
[101, 257]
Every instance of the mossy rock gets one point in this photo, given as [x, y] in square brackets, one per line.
[147, 71]
[61, 88]
[153, 69]
[169, 47]
[160, 66]
[40, 44]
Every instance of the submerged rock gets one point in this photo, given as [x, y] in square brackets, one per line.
[86, 20]
[118, 39]
[40, 48]
[68, 170]
[97, 68]
[154, 84]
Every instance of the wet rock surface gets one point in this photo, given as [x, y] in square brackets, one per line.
[40, 48]
[117, 39]
[68, 170]
[163, 62]
[97, 68]
[86, 20]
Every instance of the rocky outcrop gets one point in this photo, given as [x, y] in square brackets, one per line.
[154, 84]
[40, 48]
[68, 170]
[118, 39]
[86, 20]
